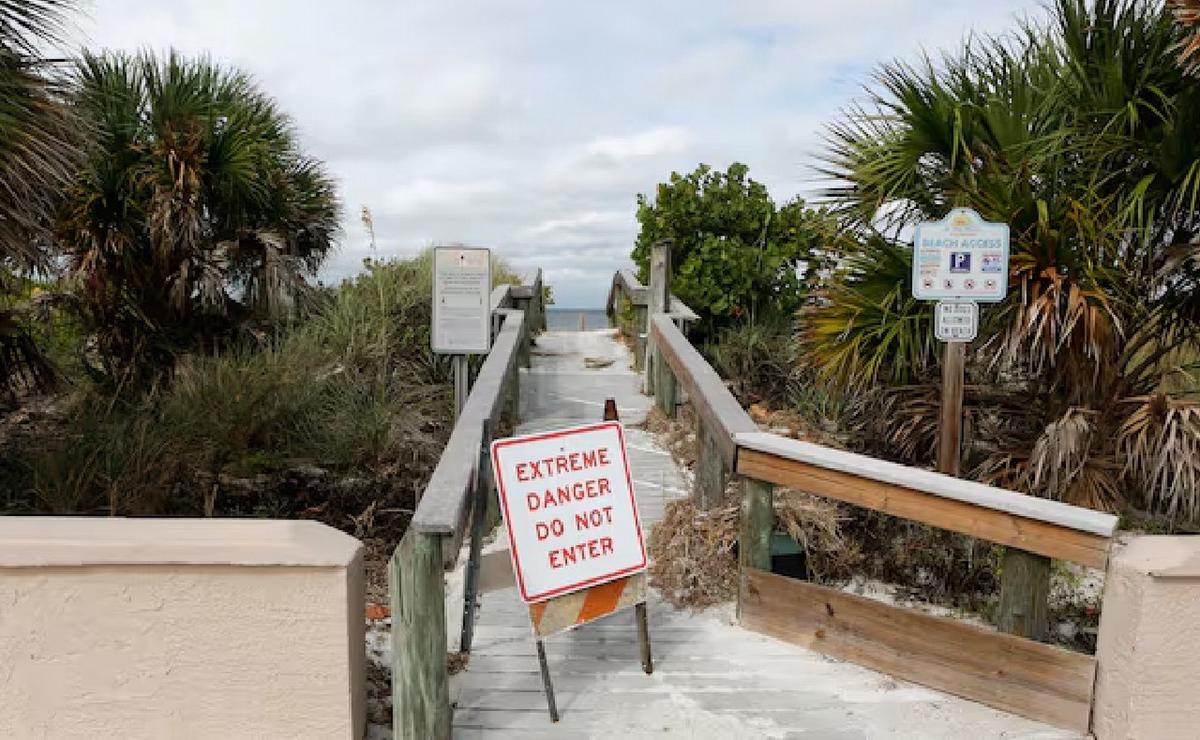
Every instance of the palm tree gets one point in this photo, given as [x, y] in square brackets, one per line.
[195, 209]
[37, 157]
[1085, 138]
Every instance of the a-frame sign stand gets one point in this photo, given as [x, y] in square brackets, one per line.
[571, 608]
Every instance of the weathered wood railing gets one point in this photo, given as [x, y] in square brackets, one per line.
[628, 305]
[420, 679]
[1003, 669]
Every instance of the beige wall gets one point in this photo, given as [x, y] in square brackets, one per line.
[179, 628]
[1148, 679]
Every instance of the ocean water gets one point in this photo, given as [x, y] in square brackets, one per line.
[568, 319]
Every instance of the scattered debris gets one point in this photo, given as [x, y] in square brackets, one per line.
[595, 363]
[694, 552]
[678, 435]
[457, 662]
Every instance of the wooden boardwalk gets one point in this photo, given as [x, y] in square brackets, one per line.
[712, 679]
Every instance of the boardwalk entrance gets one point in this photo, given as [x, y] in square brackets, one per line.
[716, 673]
[712, 679]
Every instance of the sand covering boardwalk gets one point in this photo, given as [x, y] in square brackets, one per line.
[711, 678]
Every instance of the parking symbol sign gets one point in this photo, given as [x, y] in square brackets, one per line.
[960, 262]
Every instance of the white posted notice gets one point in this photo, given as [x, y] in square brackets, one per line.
[462, 287]
[569, 508]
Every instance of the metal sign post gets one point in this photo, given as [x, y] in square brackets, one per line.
[462, 320]
[960, 261]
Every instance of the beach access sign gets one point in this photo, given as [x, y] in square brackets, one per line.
[960, 258]
[569, 508]
[462, 312]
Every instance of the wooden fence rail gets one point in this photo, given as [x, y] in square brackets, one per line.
[420, 679]
[628, 306]
[1002, 669]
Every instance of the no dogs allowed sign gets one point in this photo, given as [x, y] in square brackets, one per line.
[569, 509]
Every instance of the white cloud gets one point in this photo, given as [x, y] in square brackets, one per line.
[530, 125]
[618, 150]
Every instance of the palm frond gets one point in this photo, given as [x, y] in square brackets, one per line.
[1160, 440]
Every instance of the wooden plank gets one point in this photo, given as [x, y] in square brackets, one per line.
[950, 427]
[1043, 538]
[420, 680]
[1024, 608]
[1033, 680]
[659, 295]
[711, 474]
[718, 410]
[757, 521]
[501, 297]
[927, 481]
[666, 391]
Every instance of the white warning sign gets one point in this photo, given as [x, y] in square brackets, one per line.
[569, 508]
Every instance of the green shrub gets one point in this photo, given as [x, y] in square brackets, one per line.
[352, 387]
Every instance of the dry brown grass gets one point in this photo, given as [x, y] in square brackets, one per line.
[694, 552]
[678, 435]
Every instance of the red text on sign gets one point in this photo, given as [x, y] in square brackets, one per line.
[570, 463]
[563, 495]
[583, 551]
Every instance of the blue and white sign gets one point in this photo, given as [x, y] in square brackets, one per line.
[960, 258]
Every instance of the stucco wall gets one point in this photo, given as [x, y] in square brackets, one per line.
[179, 628]
[1148, 677]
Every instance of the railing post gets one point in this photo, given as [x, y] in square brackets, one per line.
[1024, 595]
[665, 389]
[639, 338]
[660, 380]
[420, 679]
[712, 474]
[757, 523]
[525, 345]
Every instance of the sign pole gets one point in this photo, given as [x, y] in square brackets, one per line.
[950, 426]
[546, 684]
[461, 384]
[959, 261]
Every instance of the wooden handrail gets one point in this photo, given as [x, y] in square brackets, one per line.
[501, 297]
[625, 283]
[1049, 528]
[443, 505]
[445, 502]
[719, 411]
[420, 681]
[931, 483]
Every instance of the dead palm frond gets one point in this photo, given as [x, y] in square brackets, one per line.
[1160, 441]
[1187, 15]
[1064, 463]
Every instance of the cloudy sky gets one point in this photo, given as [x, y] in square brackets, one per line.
[530, 125]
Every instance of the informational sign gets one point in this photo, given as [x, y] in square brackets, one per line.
[960, 258]
[956, 321]
[569, 508]
[462, 288]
